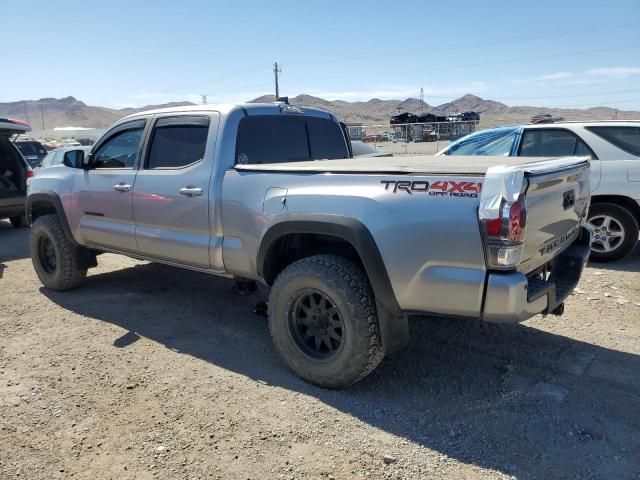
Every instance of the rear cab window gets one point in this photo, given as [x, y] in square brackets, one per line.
[289, 138]
[625, 138]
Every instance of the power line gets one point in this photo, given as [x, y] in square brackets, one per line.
[533, 37]
[615, 102]
[599, 94]
[543, 57]
[580, 95]
[221, 78]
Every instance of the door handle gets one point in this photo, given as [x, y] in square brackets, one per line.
[191, 191]
[122, 187]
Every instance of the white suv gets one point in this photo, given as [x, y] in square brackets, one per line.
[614, 147]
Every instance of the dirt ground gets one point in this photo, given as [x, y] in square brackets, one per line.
[151, 372]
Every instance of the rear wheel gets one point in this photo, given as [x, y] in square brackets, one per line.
[54, 257]
[323, 321]
[19, 221]
[614, 232]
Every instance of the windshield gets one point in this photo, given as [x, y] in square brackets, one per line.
[498, 141]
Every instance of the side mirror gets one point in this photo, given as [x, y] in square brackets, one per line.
[74, 159]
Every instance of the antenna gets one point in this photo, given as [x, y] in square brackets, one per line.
[421, 101]
[276, 71]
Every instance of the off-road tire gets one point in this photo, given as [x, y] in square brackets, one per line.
[346, 285]
[625, 218]
[19, 221]
[68, 272]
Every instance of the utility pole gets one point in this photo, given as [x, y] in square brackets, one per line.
[421, 101]
[42, 114]
[276, 71]
[204, 99]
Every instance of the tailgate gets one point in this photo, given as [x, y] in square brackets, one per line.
[557, 197]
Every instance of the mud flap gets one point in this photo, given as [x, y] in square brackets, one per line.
[394, 330]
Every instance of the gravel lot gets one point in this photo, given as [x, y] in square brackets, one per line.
[152, 372]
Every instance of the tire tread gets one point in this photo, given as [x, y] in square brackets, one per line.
[72, 274]
[360, 294]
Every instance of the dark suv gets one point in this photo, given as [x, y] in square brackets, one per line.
[14, 171]
[32, 151]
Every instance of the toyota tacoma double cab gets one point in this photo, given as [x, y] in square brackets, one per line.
[350, 247]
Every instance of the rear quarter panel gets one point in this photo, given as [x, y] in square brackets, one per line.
[430, 244]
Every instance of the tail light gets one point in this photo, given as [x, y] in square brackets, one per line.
[30, 173]
[504, 236]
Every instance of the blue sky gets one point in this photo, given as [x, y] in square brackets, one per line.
[132, 53]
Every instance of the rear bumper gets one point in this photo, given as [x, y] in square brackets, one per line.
[515, 297]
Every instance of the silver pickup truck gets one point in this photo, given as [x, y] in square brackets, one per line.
[349, 246]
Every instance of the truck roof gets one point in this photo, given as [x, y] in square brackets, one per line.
[227, 108]
[411, 164]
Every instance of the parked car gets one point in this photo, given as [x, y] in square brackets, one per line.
[32, 151]
[68, 156]
[614, 148]
[545, 118]
[374, 138]
[349, 246]
[14, 171]
[70, 142]
[360, 149]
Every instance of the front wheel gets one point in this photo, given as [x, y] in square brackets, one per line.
[54, 257]
[614, 232]
[323, 321]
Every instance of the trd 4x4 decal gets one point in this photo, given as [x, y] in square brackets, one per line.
[440, 188]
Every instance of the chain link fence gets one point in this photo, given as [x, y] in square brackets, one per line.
[411, 138]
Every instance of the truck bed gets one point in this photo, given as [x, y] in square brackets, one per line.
[414, 164]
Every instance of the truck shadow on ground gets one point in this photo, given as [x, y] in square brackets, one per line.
[14, 242]
[507, 397]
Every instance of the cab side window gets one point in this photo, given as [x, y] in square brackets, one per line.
[119, 151]
[178, 142]
[541, 142]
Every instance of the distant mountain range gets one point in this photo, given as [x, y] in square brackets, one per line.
[65, 112]
[492, 112]
[69, 111]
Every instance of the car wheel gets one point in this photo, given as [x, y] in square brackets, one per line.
[614, 232]
[19, 221]
[323, 321]
[54, 257]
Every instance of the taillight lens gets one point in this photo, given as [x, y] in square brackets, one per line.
[30, 173]
[504, 236]
[517, 221]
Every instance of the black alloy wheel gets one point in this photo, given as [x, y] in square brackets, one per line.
[316, 324]
[47, 254]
